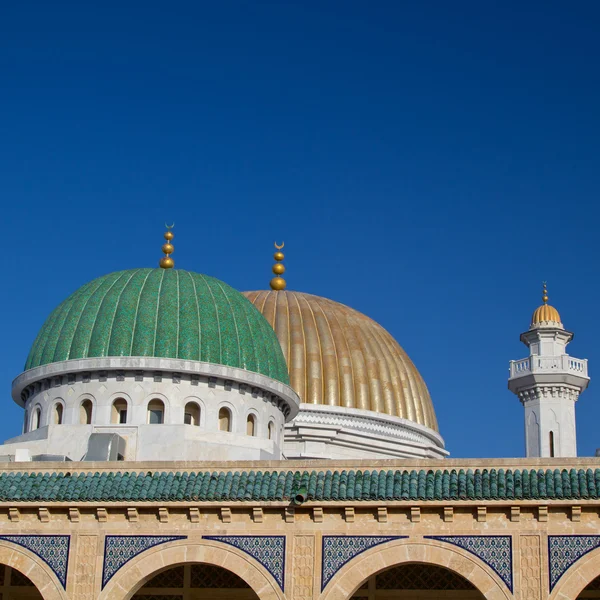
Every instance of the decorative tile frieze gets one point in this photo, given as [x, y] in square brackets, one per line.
[494, 550]
[120, 549]
[339, 549]
[268, 550]
[52, 549]
[565, 550]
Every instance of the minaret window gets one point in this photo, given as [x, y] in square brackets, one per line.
[119, 412]
[58, 413]
[25, 422]
[271, 430]
[85, 412]
[191, 415]
[36, 418]
[224, 419]
[552, 444]
[156, 412]
[251, 425]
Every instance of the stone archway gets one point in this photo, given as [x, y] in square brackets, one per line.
[33, 568]
[140, 570]
[371, 562]
[577, 577]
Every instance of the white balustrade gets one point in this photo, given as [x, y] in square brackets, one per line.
[549, 364]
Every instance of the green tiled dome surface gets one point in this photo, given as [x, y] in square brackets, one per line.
[164, 313]
[319, 485]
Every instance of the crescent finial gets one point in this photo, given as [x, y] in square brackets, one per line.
[278, 246]
[169, 226]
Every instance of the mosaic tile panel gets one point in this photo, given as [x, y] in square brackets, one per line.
[565, 550]
[494, 550]
[52, 549]
[339, 549]
[268, 550]
[120, 549]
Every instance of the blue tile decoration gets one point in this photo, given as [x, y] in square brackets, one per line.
[494, 550]
[52, 549]
[120, 549]
[339, 549]
[268, 550]
[564, 550]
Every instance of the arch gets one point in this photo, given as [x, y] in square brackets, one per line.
[350, 577]
[86, 411]
[119, 412]
[36, 418]
[155, 412]
[34, 568]
[271, 430]
[139, 570]
[26, 421]
[577, 577]
[251, 428]
[58, 411]
[192, 413]
[225, 419]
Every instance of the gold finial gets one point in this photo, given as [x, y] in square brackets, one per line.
[166, 262]
[545, 294]
[278, 282]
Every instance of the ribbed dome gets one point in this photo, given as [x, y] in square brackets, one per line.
[545, 314]
[160, 313]
[337, 356]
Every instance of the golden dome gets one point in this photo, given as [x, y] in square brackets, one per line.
[545, 314]
[339, 357]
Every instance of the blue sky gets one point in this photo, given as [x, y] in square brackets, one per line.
[428, 164]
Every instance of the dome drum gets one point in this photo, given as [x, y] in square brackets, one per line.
[190, 398]
[341, 433]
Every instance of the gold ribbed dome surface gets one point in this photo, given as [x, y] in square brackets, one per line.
[339, 357]
[545, 313]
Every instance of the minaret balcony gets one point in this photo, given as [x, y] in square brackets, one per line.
[549, 364]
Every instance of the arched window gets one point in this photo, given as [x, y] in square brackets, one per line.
[36, 418]
[191, 414]
[58, 414]
[224, 419]
[251, 425]
[25, 421]
[552, 444]
[119, 412]
[156, 412]
[85, 412]
[271, 430]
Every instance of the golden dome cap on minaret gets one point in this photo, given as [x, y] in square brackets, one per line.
[545, 315]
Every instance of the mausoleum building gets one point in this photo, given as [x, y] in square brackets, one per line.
[184, 441]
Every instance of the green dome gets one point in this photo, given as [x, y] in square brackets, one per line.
[164, 313]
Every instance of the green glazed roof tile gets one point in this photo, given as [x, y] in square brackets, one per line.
[163, 313]
[479, 484]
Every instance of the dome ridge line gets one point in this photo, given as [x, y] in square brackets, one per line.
[207, 285]
[197, 311]
[135, 316]
[237, 333]
[162, 278]
[115, 311]
[80, 342]
[304, 345]
[94, 334]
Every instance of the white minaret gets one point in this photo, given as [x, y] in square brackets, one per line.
[548, 384]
